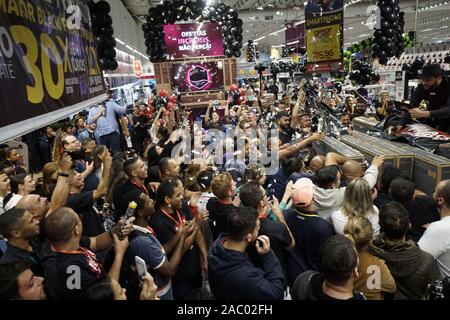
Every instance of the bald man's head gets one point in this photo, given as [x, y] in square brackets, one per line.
[34, 203]
[60, 226]
[351, 170]
[317, 163]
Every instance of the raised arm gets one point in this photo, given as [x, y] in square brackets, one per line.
[207, 114]
[61, 191]
[102, 187]
[334, 159]
[296, 110]
[93, 117]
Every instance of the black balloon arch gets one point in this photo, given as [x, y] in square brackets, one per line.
[184, 10]
[104, 34]
[388, 40]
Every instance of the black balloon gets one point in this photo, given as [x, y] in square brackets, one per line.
[390, 45]
[239, 22]
[102, 42]
[103, 7]
[108, 31]
[391, 17]
[392, 3]
[386, 10]
[356, 65]
[355, 75]
[110, 53]
[389, 32]
[385, 25]
[113, 65]
[105, 63]
[108, 20]
[376, 47]
[382, 41]
[382, 54]
[383, 60]
[111, 42]
[375, 77]
[378, 33]
[365, 79]
[97, 31]
[98, 20]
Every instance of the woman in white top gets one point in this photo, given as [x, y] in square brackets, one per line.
[357, 202]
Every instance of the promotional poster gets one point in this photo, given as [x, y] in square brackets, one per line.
[193, 40]
[324, 35]
[48, 58]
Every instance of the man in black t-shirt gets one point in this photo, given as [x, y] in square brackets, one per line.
[434, 88]
[136, 171]
[84, 202]
[310, 231]
[338, 263]
[21, 228]
[71, 265]
[172, 213]
[421, 209]
[281, 240]
[285, 131]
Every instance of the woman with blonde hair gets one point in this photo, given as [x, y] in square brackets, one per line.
[374, 278]
[357, 203]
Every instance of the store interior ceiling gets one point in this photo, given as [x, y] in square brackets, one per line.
[265, 20]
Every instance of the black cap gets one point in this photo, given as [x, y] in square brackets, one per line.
[431, 70]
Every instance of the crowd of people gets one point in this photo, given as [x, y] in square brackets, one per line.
[209, 217]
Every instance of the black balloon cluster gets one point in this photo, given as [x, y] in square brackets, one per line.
[171, 12]
[388, 40]
[285, 52]
[363, 74]
[447, 58]
[103, 32]
[250, 51]
[413, 69]
[286, 66]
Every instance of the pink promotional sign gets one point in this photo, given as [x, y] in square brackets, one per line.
[193, 40]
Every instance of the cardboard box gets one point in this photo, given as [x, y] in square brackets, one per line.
[330, 144]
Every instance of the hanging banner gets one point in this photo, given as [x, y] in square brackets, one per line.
[324, 35]
[48, 62]
[193, 40]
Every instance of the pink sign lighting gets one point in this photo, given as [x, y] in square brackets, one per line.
[193, 40]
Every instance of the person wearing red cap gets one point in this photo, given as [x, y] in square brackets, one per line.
[309, 231]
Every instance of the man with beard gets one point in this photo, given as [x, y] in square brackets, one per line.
[232, 275]
[18, 282]
[285, 132]
[434, 88]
